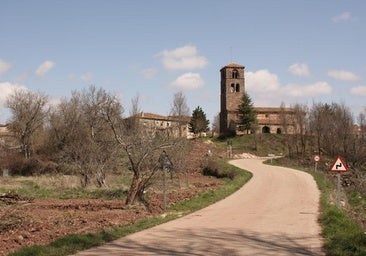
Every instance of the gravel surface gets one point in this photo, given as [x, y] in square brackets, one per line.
[275, 213]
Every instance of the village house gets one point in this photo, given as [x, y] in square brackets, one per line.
[174, 125]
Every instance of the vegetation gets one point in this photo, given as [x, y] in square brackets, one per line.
[180, 110]
[28, 117]
[76, 242]
[87, 135]
[199, 123]
[247, 115]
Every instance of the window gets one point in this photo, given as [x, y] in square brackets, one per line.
[232, 88]
[237, 89]
[235, 74]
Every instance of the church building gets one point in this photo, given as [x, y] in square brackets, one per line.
[269, 119]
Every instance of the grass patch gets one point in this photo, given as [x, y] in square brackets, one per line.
[257, 144]
[77, 242]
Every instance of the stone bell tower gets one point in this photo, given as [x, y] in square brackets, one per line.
[232, 91]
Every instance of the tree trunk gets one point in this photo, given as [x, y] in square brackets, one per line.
[134, 189]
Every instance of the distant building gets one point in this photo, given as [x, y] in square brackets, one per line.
[275, 120]
[174, 125]
[7, 138]
[232, 86]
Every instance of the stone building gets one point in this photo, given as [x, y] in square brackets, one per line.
[269, 119]
[232, 90]
[7, 138]
[275, 120]
[175, 125]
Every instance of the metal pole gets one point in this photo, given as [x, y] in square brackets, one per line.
[164, 190]
[339, 190]
[316, 166]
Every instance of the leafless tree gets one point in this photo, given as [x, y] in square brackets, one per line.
[180, 111]
[285, 121]
[29, 112]
[216, 124]
[81, 136]
[332, 125]
[135, 105]
[299, 122]
[142, 147]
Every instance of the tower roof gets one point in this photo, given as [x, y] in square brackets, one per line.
[233, 65]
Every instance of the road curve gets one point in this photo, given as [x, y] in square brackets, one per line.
[275, 213]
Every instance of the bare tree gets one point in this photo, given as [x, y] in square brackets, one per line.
[216, 124]
[135, 105]
[332, 125]
[28, 116]
[179, 110]
[142, 147]
[300, 124]
[81, 136]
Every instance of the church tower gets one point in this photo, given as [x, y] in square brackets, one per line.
[232, 91]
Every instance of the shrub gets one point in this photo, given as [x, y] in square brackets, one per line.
[29, 167]
[212, 169]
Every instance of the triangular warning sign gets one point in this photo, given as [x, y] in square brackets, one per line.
[339, 165]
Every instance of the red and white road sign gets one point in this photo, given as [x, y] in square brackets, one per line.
[316, 158]
[339, 165]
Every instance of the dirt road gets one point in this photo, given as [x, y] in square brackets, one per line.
[275, 213]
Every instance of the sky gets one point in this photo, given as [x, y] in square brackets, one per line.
[294, 51]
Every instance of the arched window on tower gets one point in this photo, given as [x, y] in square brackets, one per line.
[237, 88]
[235, 74]
[232, 88]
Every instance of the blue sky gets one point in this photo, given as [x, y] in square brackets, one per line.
[301, 51]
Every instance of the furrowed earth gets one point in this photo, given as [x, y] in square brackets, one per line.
[27, 221]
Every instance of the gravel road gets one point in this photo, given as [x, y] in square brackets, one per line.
[275, 213]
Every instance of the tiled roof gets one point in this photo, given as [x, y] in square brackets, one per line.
[272, 109]
[233, 65]
[152, 116]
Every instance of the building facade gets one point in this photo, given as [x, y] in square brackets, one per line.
[174, 125]
[269, 119]
[232, 90]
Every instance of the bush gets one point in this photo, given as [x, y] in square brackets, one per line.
[212, 169]
[29, 167]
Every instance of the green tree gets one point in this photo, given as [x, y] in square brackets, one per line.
[247, 115]
[199, 122]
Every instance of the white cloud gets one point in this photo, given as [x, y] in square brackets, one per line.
[358, 90]
[343, 75]
[299, 69]
[345, 16]
[4, 66]
[266, 90]
[188, 81]
[44, 68]
[309, 90]
[149, 73]
[7, 88]
[87, 77]
[185, 57]
[261, 81]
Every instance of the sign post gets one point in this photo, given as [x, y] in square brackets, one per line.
[339, 166]
[165, 165]
[316, 160]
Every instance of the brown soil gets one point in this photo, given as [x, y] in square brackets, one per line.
[26, 222]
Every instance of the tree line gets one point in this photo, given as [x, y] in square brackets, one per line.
[327, 129]
[88, 134]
